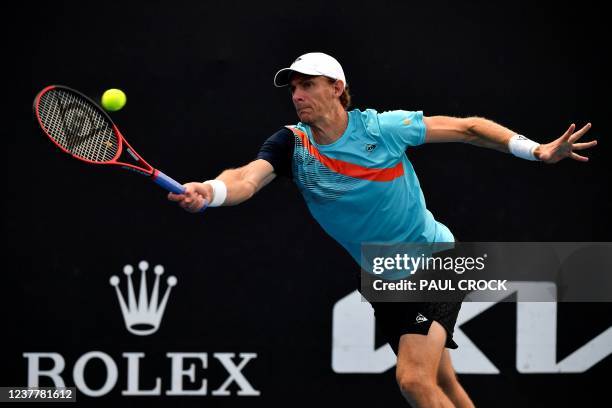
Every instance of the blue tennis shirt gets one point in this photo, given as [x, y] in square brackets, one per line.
[362, 188]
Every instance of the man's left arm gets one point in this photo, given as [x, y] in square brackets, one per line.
[486, 133]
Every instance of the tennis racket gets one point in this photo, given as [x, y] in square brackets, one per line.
[79, 127]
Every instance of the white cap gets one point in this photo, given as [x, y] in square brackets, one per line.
[313, 63]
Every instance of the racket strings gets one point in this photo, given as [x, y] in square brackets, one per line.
[77, 126]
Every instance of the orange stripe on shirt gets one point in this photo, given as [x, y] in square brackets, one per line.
[349, 169]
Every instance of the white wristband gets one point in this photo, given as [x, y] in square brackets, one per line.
[219, 192]
[522, 147]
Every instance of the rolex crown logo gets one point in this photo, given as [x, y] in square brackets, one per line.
[142, 316]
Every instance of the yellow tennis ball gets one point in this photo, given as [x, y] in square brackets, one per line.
[113, 99]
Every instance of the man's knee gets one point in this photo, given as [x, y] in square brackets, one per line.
[415, 383]
[448, 381]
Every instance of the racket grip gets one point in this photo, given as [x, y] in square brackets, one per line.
[172, 185]
[168, 183]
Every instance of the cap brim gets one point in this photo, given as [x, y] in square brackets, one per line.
[282, 77]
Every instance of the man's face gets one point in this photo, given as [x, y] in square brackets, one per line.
[313, 96]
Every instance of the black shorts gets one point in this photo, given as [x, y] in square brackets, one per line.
[395, 319]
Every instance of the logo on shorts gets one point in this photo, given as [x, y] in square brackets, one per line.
[420, 318]
[370, 147]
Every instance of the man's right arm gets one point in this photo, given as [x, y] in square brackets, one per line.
[273, 159]
[241, 183]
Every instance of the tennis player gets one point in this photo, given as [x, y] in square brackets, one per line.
[352, 169]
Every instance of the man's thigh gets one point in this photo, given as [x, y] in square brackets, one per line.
[421, 354]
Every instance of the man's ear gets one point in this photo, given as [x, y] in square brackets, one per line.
[338, 87]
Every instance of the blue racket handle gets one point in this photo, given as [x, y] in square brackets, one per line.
[172, 185]
[168, 183]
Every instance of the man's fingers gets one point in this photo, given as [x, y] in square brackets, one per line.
[578, 157]
[187, 194]
[175, 197]
[199, 203]
[568, 132]
[193, 204]
[580, 133]
[582, 146]
[191, 200]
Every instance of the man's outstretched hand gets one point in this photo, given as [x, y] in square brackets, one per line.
[565, 146]
[196, 196]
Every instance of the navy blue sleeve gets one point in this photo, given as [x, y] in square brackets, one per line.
[278, 151]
